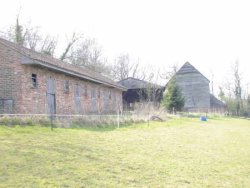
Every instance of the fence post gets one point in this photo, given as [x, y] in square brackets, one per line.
[118, 119]
[148, 118]
[51, 122]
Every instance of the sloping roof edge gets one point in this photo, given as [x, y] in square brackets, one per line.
[143, 83]
[69, 72]
[186, 73]
[214, 101]
[29, 59]
[194, 69]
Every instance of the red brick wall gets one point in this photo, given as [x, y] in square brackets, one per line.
[16, 84]
[10, 73]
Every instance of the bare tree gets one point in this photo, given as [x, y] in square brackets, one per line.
[233, 91]
[88, 53]
[33, 38]
[172, 70]
[30, 37]
[212, 81]
[221, 94]
[75, 37]
[17, 33]
[121, 67]
[124, 67]
[48, 45]
[237, 86]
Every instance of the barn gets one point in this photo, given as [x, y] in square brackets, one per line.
[140, 91]
[195, 89]
[34, 83]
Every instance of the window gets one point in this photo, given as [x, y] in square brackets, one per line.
[78, 91]
[110, 94]
[6, 105]
[99, 93]
[93, 100]
[86, 90]
[78, 104]
[34, 80]
[114, 101]
[106, 101]
[66, 86]
[93, 94]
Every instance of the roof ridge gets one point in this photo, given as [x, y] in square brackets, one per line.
[15, 46]
[189, 64]
[137, 83]
[32, 54]
[130, 77]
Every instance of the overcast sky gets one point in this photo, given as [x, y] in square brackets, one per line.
[210, 34]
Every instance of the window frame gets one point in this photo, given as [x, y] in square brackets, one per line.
[6, 103]
[93, 93]
[99, 93]
[86, 90]
[66, 86]
[110, 97]
[34, 83]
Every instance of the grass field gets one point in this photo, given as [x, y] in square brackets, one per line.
[179, 153]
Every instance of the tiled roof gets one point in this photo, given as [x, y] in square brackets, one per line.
[56, 64]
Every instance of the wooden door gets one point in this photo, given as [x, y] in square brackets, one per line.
[6, 106]
[78, 104]
[93, 100]
[51, 97]
[106, 101]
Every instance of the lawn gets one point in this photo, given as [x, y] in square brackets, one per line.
[178, 153]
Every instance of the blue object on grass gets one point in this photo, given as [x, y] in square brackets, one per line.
[203, 118]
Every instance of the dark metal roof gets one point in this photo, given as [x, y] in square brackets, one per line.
[34, 58]
[134, 83]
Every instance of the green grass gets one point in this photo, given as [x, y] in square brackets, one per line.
[179, 153]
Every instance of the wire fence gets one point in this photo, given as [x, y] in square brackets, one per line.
[144, 114]
[67, 121]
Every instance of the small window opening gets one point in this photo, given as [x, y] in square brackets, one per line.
[93, 95]
[86, 90]
[6, 105]
[110, 94]
[34, 80]
[99, 93]
[66, 86]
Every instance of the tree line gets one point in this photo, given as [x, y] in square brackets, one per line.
[235, 94]
[86, 52]
[79, 50]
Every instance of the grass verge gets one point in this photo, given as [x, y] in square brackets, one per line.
[178, 153]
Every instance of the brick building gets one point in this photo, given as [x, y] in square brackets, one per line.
[34, 83]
